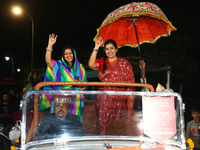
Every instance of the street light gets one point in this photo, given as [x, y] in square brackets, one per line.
[18, 11]
[12, 60]
[18, 69]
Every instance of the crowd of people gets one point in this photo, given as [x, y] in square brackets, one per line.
[9, 107]
[67, 112]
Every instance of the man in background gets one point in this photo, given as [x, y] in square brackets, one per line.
[60, 122]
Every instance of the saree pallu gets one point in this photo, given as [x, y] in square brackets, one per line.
[61, 72]
[114, 107]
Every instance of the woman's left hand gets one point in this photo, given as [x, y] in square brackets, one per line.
[80, 87]
[75, 80]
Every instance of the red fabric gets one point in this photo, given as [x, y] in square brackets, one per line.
[113, 107]
[123, 31]
[17, 117]
[99, 64]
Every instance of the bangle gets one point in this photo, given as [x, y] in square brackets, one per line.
[95, 49]
[48, 49]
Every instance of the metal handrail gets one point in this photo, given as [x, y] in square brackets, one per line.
[39, 85]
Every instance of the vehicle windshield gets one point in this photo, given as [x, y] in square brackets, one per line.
[80, 119]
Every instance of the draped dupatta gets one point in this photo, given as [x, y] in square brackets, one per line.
[61, 72]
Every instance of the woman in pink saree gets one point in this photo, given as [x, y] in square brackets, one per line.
[112, 69]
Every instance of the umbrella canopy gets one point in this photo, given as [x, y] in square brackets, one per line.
[8, 80]
[134, 24]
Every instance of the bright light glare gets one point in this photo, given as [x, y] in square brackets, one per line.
[63, 138]
[141, 126]
[17, 10]
[7, 58]
[18, 69]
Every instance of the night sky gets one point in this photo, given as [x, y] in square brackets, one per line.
[76, 22]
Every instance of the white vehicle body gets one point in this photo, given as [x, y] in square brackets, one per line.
[131, 132]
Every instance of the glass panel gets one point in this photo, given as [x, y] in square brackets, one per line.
[99, 120]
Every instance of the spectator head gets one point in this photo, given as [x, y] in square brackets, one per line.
[195, 113]
[5, 97]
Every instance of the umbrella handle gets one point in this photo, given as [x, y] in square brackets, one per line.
[142, 72]
[138, 43]
[143, 76]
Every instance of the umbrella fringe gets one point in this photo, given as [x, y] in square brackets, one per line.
[147, 41]
[136, 14]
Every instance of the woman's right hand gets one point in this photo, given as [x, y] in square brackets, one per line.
[141, 64]
[92, 61]
[52, 39]
[98, 42]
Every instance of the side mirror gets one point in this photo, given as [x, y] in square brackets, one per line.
[15, 132]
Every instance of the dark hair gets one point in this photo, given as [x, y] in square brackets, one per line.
[63, 55]
[110, 41]
[5, 93]
[193, 110]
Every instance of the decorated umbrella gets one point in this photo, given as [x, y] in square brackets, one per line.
[8, 80]
[134, 24]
